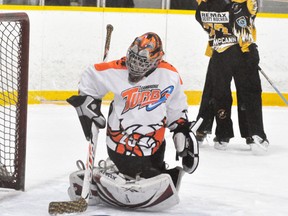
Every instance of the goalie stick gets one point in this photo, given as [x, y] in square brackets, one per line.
[81, 204]
[109, 29]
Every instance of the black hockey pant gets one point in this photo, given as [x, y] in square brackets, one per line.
[146, 166]
[217, 98]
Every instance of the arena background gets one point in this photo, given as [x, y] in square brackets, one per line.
[64, 40]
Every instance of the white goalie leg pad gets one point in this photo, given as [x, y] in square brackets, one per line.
[75, 189]
[155, 194]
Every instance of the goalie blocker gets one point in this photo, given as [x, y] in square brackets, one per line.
[88, 110]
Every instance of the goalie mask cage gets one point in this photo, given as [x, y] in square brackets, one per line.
[14, 57]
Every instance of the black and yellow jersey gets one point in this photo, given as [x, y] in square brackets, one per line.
[228, 22]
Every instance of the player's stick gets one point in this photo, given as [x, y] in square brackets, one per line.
[81, 204]
[271, 83]
[109, 29]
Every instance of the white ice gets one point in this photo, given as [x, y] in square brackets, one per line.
[227, 183]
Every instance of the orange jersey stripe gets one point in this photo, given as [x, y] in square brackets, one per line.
[120, 64]
[166, 65]
[116, 64]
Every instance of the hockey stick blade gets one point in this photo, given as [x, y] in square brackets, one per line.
[67, 207]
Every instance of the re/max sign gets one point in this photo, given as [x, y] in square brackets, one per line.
[215, 17]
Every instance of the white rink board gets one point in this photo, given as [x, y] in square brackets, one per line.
[63, 43]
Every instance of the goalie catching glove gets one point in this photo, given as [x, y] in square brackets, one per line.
[186, 146]
[88, 110]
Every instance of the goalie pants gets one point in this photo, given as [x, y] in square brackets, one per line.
[146, 166]
[217, 99]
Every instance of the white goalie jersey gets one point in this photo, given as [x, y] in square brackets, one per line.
[140, 111]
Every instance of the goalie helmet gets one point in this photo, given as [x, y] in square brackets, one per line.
[143, 56]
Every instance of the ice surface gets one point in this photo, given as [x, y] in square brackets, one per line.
[232, 182]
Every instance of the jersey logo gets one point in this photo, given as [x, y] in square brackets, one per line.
[241, 21]
[135, 143]
[214, 17]
[145, 96]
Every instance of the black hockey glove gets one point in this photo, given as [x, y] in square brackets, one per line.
[252, 57]
[88, 110]
[186, 146]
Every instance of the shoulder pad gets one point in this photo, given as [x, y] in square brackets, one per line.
[164, 64]
[116, 64]
[252, 6]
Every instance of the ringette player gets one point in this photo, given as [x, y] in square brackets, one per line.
[148, 98]
[233, 54]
